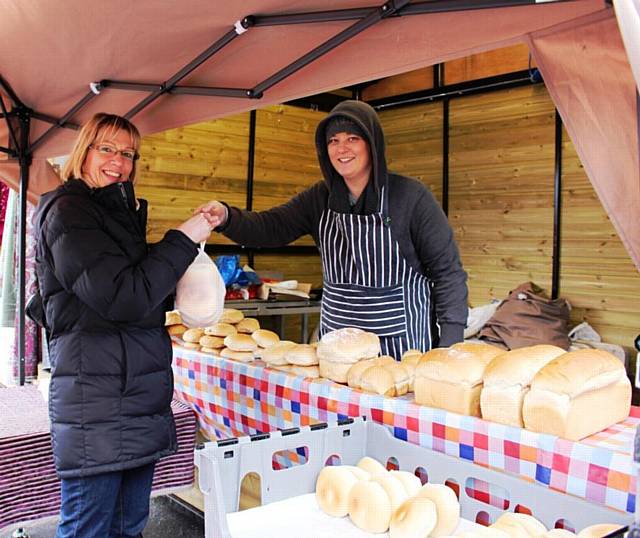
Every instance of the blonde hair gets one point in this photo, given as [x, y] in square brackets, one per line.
[98, 128]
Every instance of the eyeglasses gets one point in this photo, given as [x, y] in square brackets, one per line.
[111, 151]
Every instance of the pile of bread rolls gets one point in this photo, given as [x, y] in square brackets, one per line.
[377, 500]
[541, 388]
[297, 359]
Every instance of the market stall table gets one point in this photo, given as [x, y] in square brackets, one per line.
[232, 399]
[29, 488]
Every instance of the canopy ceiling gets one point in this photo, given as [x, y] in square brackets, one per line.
[52, 51]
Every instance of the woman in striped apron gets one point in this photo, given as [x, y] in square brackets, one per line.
[390, 263]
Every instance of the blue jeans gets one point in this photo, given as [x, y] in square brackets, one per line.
[114, 505]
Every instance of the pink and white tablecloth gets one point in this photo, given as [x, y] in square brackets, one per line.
[232, 399]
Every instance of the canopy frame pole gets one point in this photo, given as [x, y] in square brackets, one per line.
[557, 209]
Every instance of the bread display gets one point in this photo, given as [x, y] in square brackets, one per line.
[507, 379]
[248, 326]
[231, 315]
[577, 394]
[451, 378]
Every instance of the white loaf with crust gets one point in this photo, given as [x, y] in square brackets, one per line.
[507, 379]
[451, 378]
[578, 394]
[348, 345]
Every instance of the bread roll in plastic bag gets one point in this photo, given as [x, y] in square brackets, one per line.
[200, 292]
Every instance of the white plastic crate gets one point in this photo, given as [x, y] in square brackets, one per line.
[223, 465]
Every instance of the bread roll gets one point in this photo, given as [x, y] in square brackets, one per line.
[578, 394]
[177, 330]
[220, 329]
[274, 355]
[378, 380]
[332, 490]
[248, 326]
[411, 355]
[416, 517]
[451, 379]
[240, 356]
[369, 507]
[447, 507]
[371, 466]
[172, 318]
[210, 351]
[336, 371]
[530, 524]
[192, 335]
[559, 533]
[507, 379]
[354, 375]
[214, 342]
[231, 315]
[599, 530]
[190, 345]
[312, 372]
[302, 355]
[410, 481]
[401, 377]
[240, 342]
[265, 338]
[395, 490]
[348, 345]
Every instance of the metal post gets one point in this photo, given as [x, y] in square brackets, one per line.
[250, 167]
[445, 156]
[557, 210]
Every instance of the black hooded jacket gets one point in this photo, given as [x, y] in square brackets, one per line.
[416, 220]
[105, 292]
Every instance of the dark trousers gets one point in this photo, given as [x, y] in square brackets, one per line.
[109, 505]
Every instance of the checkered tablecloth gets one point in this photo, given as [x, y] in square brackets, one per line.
[232, 399]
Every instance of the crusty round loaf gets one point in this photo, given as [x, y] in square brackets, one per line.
[172, 318]
[274, 355]
[240, 342]
[354, 375]
[265, 338]
[599, 530]
[336, 371]
[220, 329]
[192, 335]
[447, 506]
[416, 517]
[248, 326]
[302, 355]
[240, 356]
[312, 372]
[231, 315]
[378, 380]
[214, 342]
[332, 490]
[177, 330]
[369, 506]
[348, 345]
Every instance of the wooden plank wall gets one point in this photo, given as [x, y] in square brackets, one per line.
[501, 178]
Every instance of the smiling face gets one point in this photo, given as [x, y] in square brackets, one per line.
[349, 155]
[102, 169]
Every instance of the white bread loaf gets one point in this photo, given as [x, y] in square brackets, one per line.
[507, 379]
[451, 378]
[348, 345]
[378, 380]
[354, 375]
[336, 371]
[578, 394]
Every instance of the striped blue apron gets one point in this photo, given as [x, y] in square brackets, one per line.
[368, 284]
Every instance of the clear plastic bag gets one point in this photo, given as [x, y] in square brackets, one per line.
[200, 292]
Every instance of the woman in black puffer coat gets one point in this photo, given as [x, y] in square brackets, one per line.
[105, 292]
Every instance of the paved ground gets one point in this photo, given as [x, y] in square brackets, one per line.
[167, 519]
